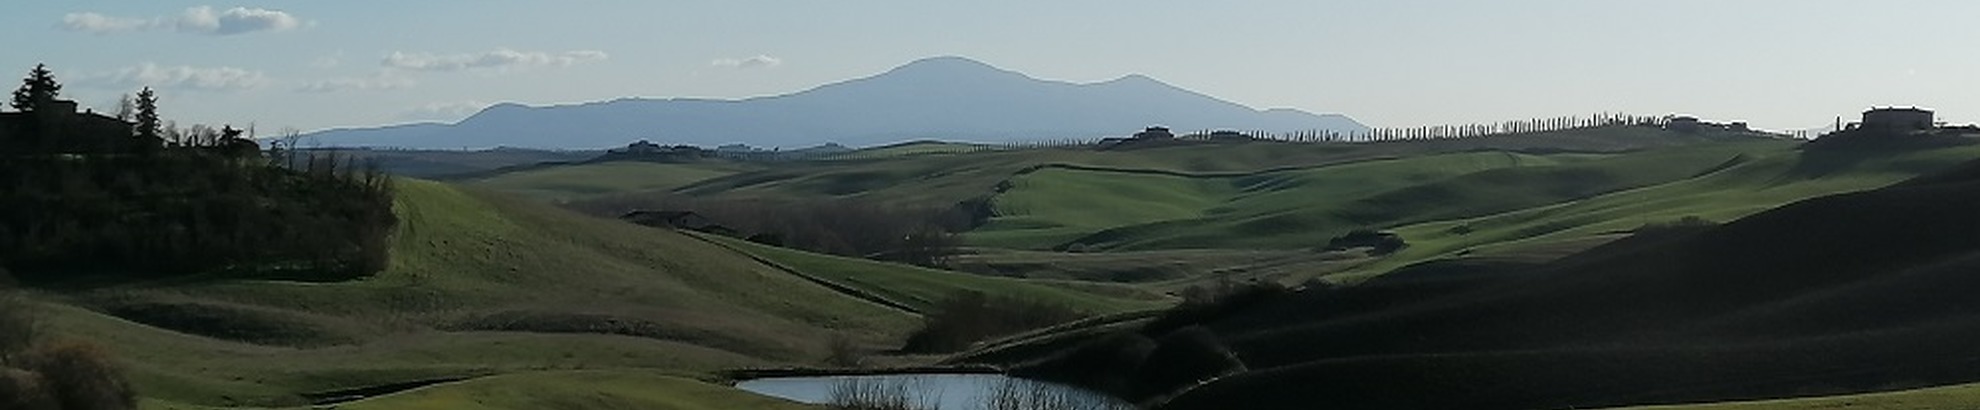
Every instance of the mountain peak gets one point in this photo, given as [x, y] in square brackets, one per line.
[948, 67]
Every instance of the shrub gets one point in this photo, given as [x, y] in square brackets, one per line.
[24, 390]
[20, 326]
[969, 317]
[843, 352]
[1381, 243]
[80, 375]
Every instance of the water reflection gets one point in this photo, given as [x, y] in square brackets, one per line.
[933, 392]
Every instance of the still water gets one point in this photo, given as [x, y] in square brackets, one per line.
[939, 391]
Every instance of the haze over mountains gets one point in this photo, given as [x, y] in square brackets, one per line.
[950, 98]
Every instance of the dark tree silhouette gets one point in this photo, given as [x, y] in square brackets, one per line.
[147, 115]
[37, 88]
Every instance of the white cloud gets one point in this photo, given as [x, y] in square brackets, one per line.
[445, 111]
[759, 61]
[178, 77]
[196, 20]
[498, 59]
[380, 81]
[100, 24]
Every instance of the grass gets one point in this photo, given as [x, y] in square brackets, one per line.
[459, 258]
[1765, 181]
[943, 180]
[1292, 209]
[587, 180]
[911, 148]
[559, 389]
[923, 288]
[1935, 398]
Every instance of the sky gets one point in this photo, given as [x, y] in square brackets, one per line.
[310, 65]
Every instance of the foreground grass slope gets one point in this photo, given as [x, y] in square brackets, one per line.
[479, 285]
[1936, 398]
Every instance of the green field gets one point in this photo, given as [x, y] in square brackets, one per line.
[1937, 398]
[481, 284]
[593, 179]
[1759, 182]
[911, 148]
[922, 288]
[490, 283]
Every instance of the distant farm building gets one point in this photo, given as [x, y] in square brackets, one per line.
[61, 128]
[1684, 124]
[1155, 133]
[1898, 119]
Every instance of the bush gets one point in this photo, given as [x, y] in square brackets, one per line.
[1381, 243]
[970, 317]
[24, 390]
[36, 374]
[80, 375]
[20, 326]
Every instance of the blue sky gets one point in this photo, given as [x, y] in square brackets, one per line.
[317, 64]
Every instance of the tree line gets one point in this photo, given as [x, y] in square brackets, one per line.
[846, 227]
[130, 194]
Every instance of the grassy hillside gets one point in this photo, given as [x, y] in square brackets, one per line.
[911, 148]
[479, 285]
[1936, 398]
[921, 288]
[584, 180]
[1808, 298]
[1133, 209]
[1757, 182]
[947, 179]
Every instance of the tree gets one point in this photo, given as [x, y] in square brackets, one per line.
[126, 108]
[37, 88]
[147, 115]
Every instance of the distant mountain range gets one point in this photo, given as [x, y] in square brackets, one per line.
[949, 98]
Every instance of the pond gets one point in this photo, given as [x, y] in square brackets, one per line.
[935, 392]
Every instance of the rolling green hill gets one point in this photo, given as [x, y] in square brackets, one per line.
[1934, 398]
[578, 181]
[1757, 182]
[1131, 209]
[943, 180]
[1809, 298]
[485, 285]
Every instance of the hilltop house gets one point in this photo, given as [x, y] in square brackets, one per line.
[1155, 133]
[56, 127]
[1684, 124]
[1898, 119]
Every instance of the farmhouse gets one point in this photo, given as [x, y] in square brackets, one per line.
[1155, 133]
[1898, 119]
[56, 127]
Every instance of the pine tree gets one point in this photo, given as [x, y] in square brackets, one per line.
[147, 115]
[38, 87]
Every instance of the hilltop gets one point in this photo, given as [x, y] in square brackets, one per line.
[944, 97]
